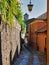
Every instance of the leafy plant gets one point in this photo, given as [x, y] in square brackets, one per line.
[10, 9]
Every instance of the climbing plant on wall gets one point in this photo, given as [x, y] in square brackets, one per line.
[10, 9]
[21, 21]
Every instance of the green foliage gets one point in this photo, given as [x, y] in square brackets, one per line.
[23, 28]
[9, 9]
[20, 19]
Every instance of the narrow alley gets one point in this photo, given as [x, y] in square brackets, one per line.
[23, 32]
[30, 56]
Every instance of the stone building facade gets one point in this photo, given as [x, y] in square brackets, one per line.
[10, 41]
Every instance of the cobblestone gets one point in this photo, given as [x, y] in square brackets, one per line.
[30, 57]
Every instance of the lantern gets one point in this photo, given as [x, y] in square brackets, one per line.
[30, 6]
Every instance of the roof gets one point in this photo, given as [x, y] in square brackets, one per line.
[37, 20]
[43, 16]
[30, 20]
[43, 29]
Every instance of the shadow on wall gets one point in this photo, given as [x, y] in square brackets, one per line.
[15, 56]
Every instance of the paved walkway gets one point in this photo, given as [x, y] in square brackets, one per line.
[30, 58]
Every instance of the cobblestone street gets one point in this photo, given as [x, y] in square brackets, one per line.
[30, 57]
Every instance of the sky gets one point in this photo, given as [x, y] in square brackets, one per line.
[40, 7]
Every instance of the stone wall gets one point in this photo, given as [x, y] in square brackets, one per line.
[10, 40]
